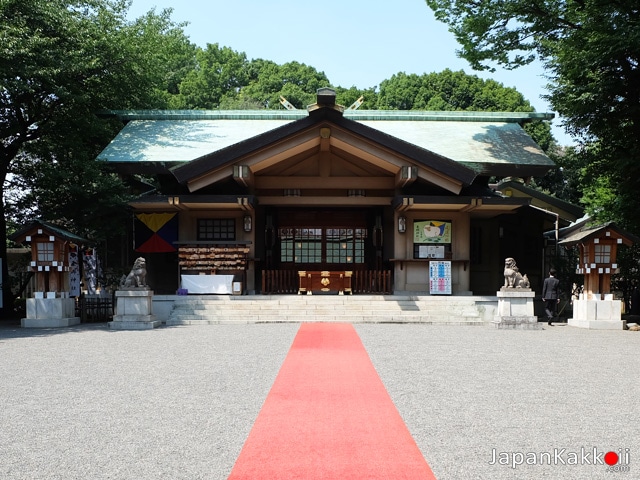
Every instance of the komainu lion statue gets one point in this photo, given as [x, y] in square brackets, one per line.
[512, 276]
[138, 275]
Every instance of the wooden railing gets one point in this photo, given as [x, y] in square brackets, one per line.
[95, 308]
[362, 281]
[280, 281]
[371, 281]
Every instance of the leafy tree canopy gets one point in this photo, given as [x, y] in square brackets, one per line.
[295, 81]
[218, 75]
[591, 51]
[449, 90]
[60, 62]
[63, 60]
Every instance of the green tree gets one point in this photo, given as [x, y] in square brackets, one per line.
[448, 90]
[174, 54]
[60, 182]
[591, 52]
[224, 78]
[297, 82]
[60, 62]
[348, 96]
[218, 76]
[565, 181]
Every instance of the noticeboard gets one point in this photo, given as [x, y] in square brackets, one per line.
[440, 278]
[432, 231]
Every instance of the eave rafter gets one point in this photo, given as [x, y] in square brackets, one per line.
[406, 176]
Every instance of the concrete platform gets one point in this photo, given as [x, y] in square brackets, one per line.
[49, 322]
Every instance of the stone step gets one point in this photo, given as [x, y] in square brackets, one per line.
[304, 304]
[331, 309]
[324, 308]
[336, 304]
[333, 300]
[264, 314]
[321, 313]
[335, 311]
[454, 320]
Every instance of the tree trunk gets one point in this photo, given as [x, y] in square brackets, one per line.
[7, 297]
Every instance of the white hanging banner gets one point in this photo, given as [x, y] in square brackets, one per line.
[90, 268]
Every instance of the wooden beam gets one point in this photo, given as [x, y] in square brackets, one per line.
[270, 157]
[324, 164]
[359, 149]
[406, 176]
[325, 201]
[443, 181]
[366, 183]
[244, 204]
[307, 140]
[473, 204]
[351, 166]
[210, 178]
[243, 175]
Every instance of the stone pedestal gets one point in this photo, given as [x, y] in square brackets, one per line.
[134, 310]
[50, 312]
[515, 309]
[597, 314]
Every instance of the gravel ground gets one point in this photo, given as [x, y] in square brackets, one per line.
[171, 403]
[467, 392]
[178, 403]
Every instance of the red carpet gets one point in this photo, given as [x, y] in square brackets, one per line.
[328, 416]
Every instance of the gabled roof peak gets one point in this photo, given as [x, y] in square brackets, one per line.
[325, 98]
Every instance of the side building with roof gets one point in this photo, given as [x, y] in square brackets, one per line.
[260, 196]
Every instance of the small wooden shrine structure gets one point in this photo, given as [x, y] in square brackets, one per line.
[596, 308]
[598, 256]
[50, 254]
[52, 262]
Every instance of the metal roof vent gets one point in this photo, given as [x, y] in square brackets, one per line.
[325, 98]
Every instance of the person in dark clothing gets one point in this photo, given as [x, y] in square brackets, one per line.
[550, 295]
[635, 301]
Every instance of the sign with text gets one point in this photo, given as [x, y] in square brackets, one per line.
[440, 278]
[431, 251]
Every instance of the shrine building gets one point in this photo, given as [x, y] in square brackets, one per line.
[276, 201]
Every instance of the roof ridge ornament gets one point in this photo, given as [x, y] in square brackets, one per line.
[325, 98]
[286, 103]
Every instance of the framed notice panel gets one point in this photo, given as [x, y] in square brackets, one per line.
[432, 231]
[432, 239]
[440, 277]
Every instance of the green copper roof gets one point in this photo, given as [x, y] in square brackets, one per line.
[474, 144]
[490, 143]
[391, 115]
[180, 140]
[55, 229]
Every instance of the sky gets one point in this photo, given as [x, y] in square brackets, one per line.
[354, 42]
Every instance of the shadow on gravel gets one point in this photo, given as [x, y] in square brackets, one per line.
[10, 329]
